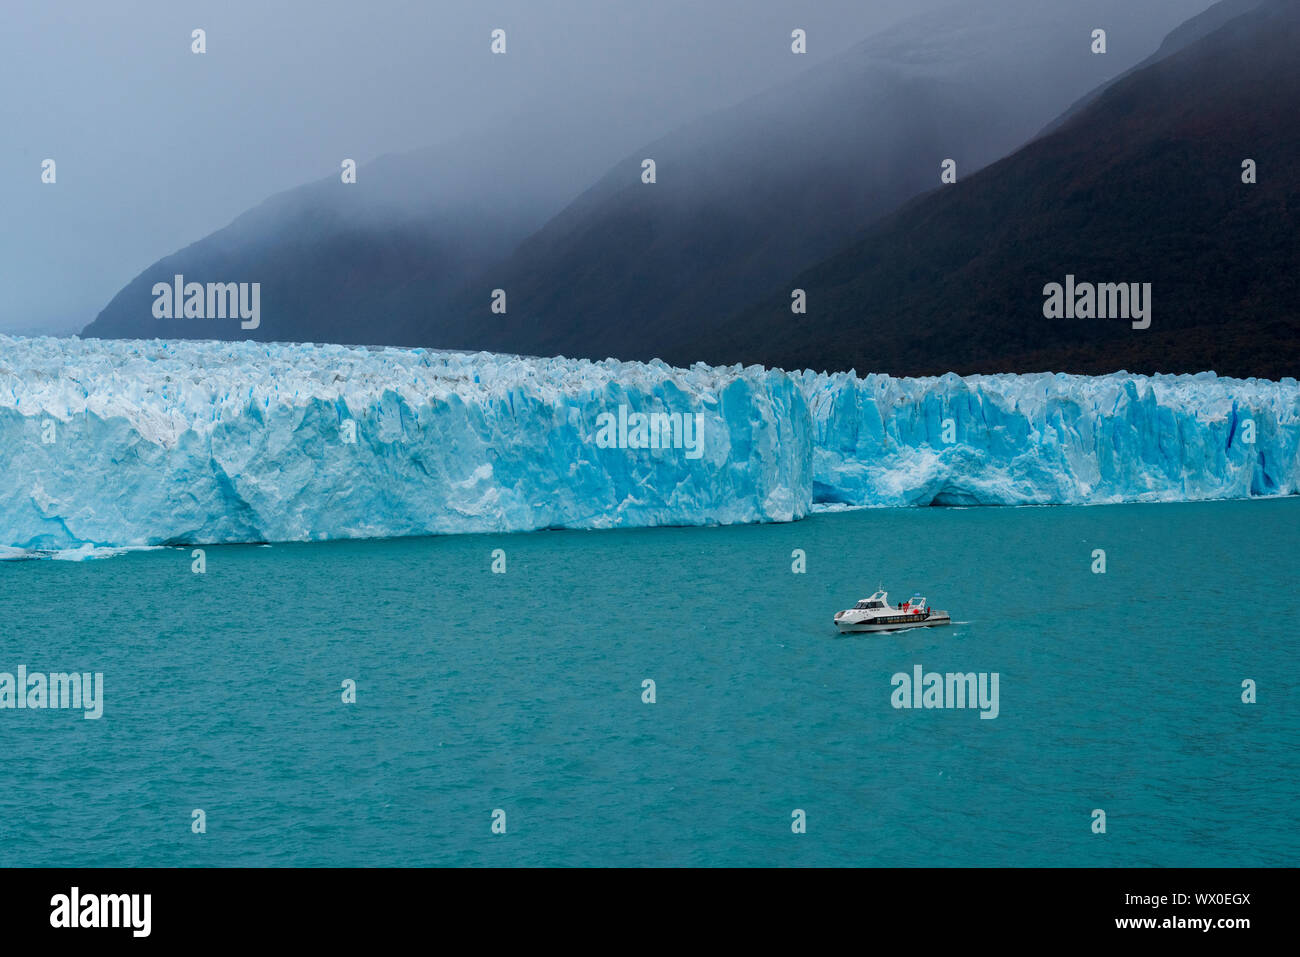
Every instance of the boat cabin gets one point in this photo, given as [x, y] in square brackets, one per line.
[878, 600]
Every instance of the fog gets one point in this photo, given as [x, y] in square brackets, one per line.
[156, 146]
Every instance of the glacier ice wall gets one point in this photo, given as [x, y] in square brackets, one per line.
[114, 443]
[1051, 438]
[107, 444]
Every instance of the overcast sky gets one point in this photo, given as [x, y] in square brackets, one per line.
[157, 147]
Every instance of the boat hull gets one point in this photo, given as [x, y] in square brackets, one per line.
[867, 627]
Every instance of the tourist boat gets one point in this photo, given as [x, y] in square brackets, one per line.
[876, 614]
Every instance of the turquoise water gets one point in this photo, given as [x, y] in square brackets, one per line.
[523, 691]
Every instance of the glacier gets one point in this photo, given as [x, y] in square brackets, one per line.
[134, 443]
[1051, 439]
[113, 444]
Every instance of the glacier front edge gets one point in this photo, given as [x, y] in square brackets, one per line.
[108, 444]
[131, 443]
[1051, 438]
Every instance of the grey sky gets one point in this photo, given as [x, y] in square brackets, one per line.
[156, 146]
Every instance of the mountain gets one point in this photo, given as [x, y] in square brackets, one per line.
[1201, 25]
[410, 254]
[338, 262]
[635, 270]
[1143, 185]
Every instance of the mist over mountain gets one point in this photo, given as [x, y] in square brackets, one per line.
[1185, 34]
[332, 258]
[158, 145]
[637, 270]
[409, 254]
[1144, 185]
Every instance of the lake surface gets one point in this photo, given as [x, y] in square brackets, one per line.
[523, 692]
